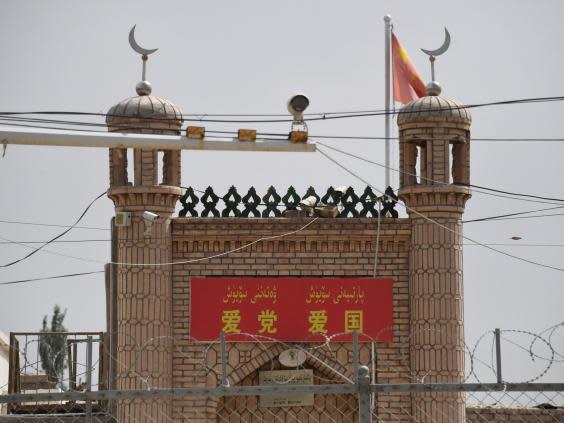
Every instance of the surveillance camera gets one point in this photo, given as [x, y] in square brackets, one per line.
[150, 216]
[297, 104]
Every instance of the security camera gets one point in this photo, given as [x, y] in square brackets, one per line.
[296, 106]
[150, 216]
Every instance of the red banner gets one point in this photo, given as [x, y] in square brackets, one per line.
[291, 309]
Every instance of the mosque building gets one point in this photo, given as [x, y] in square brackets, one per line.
[420, 257]
[278, 281]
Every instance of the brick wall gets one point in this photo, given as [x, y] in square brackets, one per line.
[513, 415]
[327, 248]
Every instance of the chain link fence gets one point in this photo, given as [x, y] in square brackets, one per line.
[267, 380]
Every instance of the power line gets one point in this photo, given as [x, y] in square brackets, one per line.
[70, 275]
[518, 245]
[55, 242]
[281, 114]
[490, 139]
[323, 117]
[515, 193]
[56, 237]
[242, 247]
[27, 124]
[108, 240]
[23, 125]
[55, 253]
[521, 217]
[439, 224]
[509, 215]
[443, 183]
[18, 222]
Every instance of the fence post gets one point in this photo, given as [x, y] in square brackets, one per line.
[356, 358]
[89, 378]
[363, 383]
[498, 355]
[224, 381]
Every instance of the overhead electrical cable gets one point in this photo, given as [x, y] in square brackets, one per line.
[242, 247]
[517, 244]
[27, 123]
[56, 237]
[515, 193]
[323, 117]
[55, 253]
[478, 188]
[19, 222]
[514, 244]
[439, 224]
[508, 215]
[44, 278]
[23, 125]
[515, 218]
[54, 242]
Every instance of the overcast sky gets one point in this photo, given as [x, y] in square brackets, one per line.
[250, 57]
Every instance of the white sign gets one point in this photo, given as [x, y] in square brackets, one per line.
[286, 377]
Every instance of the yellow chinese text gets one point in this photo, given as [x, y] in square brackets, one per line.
[354, 321]
[231, 320]
[317, 319]
[267, 319]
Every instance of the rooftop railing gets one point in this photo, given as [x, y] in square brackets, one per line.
[53, 362]
[341, 203]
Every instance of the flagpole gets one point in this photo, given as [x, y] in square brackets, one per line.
[387, 29]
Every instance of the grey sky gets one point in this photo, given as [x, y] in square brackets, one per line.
[249, 57]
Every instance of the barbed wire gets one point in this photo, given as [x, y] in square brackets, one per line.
[331, 362]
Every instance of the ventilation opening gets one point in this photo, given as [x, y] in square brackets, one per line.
[452, 164]
[160, 168]
[417, 167]
[130, 166]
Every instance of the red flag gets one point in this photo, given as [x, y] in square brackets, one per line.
[408, 84]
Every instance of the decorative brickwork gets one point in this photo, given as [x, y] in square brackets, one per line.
[329, 247]
[429, 127]
[144, 293]
[272, 204]
[422, 255]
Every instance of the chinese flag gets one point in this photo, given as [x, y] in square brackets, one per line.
[408, 84]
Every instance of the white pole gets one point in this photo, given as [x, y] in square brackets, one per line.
[388, 30]
[149, 142]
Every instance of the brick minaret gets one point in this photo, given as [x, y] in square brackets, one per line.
[144, 294]
[434, 161]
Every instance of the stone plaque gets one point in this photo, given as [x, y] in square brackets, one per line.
[286, 377]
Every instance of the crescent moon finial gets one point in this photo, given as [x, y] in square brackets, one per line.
[434, 88]
[143, 87]
[137, 47]
[442, 49]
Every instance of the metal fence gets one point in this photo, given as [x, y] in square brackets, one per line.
[342, 384]
[332, 403]
[47, 362]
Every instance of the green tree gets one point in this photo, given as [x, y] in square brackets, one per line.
[53, 348]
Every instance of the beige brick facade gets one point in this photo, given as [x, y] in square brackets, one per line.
[329, 248]
[422, 254]
[144, 293]
[435, 131]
